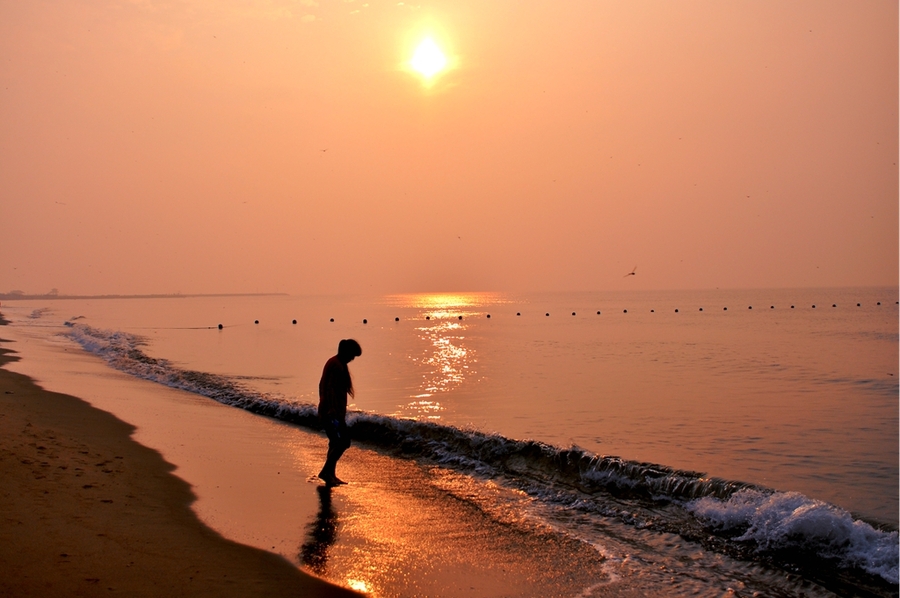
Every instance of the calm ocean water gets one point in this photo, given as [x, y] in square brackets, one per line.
[761, 423]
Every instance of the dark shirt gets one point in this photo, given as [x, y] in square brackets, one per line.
[333, 389]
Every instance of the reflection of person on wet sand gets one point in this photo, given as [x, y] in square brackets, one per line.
[322, 533]
[334, 387]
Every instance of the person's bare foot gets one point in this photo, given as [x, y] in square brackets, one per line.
[331, 480]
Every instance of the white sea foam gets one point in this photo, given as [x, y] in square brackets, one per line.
[789, 519]
[122, 351]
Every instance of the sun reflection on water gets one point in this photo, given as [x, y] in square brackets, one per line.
[447, 360]
[439, 302]
[358, 585]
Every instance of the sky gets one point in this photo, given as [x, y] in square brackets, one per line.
[287, 146]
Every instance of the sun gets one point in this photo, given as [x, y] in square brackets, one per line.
[428, 60]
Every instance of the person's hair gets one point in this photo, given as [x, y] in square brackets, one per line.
[349, 348]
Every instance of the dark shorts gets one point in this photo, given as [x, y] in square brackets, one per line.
[337, 432]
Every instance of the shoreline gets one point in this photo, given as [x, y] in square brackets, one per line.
[395, 530]
[90, 511]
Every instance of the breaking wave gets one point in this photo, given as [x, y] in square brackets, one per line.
[776, 521]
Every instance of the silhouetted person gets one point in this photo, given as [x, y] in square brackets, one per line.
[334, 387]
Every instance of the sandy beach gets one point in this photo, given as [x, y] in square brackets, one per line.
[87, 511]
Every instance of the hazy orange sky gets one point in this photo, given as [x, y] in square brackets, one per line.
[282, 145]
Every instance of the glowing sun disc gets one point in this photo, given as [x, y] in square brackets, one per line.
[428, 60]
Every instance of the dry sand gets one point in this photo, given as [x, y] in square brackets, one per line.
[87, 511]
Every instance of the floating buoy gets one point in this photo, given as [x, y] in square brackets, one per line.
[573, 313]
[365, 321]
[598, 313]
[858, 305]
[749, 307]
[834, 305]
[652, 311]
[331, 320]
[427, 317]
[518, 313]
[792, 307]
[256, 321]
[676, 310]
[293, 321]
[396, 319]
[489, 316]
[879, 303]
[814, 306]
[724, 309]
[547, 314]
[701, 309]
[772, 307]
[460, 317]
[221, 327]
[624, 311]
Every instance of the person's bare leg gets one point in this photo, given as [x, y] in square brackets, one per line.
[328, 474]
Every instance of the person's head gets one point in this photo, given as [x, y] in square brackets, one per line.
[348, 349]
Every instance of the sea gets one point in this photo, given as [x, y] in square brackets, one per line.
[720, 443]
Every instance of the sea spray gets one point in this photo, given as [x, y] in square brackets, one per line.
[775, 521]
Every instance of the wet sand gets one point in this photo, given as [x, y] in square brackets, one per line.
[87, 511]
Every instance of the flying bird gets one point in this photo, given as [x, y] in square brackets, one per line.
[631, 273]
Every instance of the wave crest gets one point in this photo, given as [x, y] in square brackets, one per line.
[790, 520]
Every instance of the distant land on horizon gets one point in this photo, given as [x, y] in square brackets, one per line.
[19, 296]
